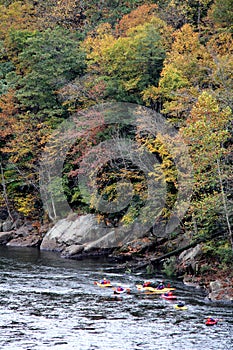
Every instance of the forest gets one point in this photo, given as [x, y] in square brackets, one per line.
[63, 58]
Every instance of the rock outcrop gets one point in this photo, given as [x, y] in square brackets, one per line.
[6, 237]
[83, 235]
[220, 290]
[188, 260]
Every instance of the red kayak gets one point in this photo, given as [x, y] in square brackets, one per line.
[169, 296]
[211, 322]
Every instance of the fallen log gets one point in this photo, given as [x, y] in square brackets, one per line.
[175, 252]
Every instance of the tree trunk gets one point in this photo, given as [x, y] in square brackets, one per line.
[225, 205]
[168, 255]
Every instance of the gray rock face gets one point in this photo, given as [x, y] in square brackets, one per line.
[67, 233]
[6, 226]
[5, 237]
[220, 291]
[190, 254]
[27, 241]
[188, 260]
[84, 234]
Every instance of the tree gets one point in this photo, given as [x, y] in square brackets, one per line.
[41, 63]
[222, 13]
[178, 13]
[220, 47]
[183, 75]
[48, 61]
[207, 134]
[139, 16]
[16, 16]
[120, 63]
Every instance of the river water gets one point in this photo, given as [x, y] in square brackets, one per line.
[47, 302]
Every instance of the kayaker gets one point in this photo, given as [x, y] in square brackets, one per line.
[104, 281]
[180, 304]
[147, 284]
[161, 285]
[120, 289]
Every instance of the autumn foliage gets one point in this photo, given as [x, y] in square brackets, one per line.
[59, 58]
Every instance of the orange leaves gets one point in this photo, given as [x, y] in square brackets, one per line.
[188, 54]
[8, 110]
[221, 43]
[141, 15]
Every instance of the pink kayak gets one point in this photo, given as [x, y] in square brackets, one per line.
[169, 297]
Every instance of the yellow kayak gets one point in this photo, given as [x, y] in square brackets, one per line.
[103, 285]
[177, 307]
[154, 290]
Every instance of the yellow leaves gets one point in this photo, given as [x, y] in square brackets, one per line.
[104, 30]
[97, 45]
[164, 171]
[25, 204]
[207, 109]
[8, 111]
[16, 16]
[64, 8]
[171, 80]
[185, 41]
[152, 93]
[206, 132]
[131, 84]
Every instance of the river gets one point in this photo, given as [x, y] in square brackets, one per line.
[47, 302]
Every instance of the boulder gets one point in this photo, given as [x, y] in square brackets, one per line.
[30, 240]
[7, 226]
[5, 237]
[72, 250]
[108, 241]
[71, 232]
[187, 260]
[215, 286]
[191, 253]
[221, 290]
[85, 234]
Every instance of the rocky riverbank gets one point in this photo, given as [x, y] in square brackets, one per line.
[77, 237]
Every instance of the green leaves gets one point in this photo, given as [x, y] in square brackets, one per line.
[222, 13]
[48, 61]
[130, 63]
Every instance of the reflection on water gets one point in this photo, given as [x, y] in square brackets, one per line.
[48, 302]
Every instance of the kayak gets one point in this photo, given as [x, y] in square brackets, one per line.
[103, 285]
[121, 291]
[169, 297]
[211, 322]
[154, 290]
[177, 307]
